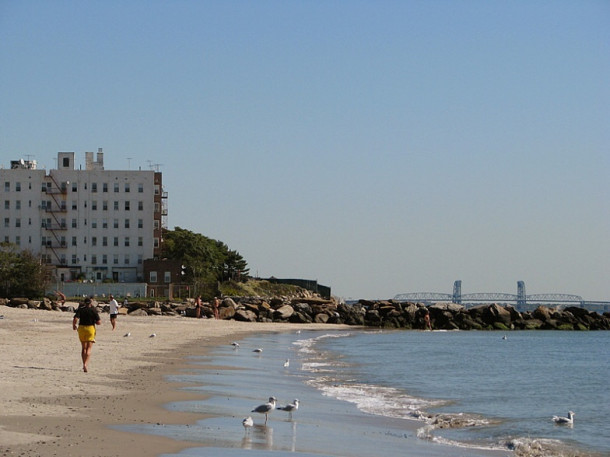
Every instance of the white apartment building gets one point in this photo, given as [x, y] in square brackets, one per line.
[91, 224]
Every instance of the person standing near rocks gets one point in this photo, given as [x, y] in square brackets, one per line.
[198, 307]
[215, 305]
[85, 320]
[114, 311]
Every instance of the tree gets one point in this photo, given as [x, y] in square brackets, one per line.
[207, 260]
[21, 274]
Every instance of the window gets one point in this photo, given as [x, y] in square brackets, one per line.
[126, 187]
[7, 186]
[153, 276]
[7, 222]
[7, 204]
[116, 186]
[126, 241]
[140, 241]
[126, 223]
[93, 223]
[105, 241]
[105, 187]
[74, 206]
[105, 223]
[105, 205]
[140, 259]
[140, 188]
[73, 241]
[94, 241]
[156, 224]
[167, 277]
[74, 225]
[115, 259]
[140, 223]
[18, 222]
[104, 259]
[93, 259]
[116, 205]
[157, 207]
[18, 240]
[18, 204]
[73, 259]
[116, 223]
[156, 243]
[116, 240]
[18, 186]
[127, 205]
[74, 187]
[140, 205]
[126, 261]
[93, 187]
[66, 162]
[94, 205]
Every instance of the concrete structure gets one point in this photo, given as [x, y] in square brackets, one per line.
[92, 224]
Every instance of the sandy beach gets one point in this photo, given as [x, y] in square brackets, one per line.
[51, 407]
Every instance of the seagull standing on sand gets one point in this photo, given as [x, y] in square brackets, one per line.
[247, 423]
[290, 407]
[265, 408]
[564, 420]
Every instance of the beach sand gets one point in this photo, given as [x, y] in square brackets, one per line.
[50, 407]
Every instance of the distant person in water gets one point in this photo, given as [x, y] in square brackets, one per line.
[427, 324]
[85, 320]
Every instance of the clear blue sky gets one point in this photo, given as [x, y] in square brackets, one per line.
[380, 147]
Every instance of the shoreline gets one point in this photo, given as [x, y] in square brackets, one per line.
[50, 407]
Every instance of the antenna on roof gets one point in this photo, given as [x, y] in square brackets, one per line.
[129, 162]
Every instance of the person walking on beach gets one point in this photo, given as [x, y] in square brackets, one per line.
[85, 320]
[198, 307]
[114, 311]
[216, 304]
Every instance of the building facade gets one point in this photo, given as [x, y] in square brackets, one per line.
[87, 224]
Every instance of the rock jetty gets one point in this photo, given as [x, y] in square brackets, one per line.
[389, 314]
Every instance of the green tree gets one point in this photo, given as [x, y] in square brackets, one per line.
[21, 274]
[207, 260]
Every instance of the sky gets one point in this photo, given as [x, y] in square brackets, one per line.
[379, 147]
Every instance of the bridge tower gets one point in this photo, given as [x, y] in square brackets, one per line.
[457, 292]
[521, 297]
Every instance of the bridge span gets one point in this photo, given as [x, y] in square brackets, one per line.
[520, 298]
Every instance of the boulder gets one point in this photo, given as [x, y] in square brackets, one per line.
[283, 312]
[245, 315]
[138, 312]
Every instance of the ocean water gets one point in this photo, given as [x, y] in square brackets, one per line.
[387, 393]
[498, 390]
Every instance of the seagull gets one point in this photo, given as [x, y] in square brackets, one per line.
[258, 350]
[153, 335]
[504, 337]
[287, 363]
[290, 407]
[265, 408]
[247, 423]
[235, 344]
[127, 334]
[564, 420]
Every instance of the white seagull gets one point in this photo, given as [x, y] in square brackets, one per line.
[290, 407]
[265, 408]
[564, 420]
[247, 423]
[127, 334]
[258, 350]
[152, 335]
[235, 344]
[287, 363]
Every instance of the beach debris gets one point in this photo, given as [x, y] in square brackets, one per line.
[565, 420]
[265, 408]
[290, 407]
[127, 334]
[287, 363]
[247, 423]
[152, 335]
[258, 350]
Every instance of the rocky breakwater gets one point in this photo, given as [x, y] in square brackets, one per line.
[308, 308]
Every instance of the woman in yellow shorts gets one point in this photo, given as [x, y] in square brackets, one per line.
[85, 320]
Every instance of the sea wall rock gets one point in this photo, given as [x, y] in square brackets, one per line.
[368, 313]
